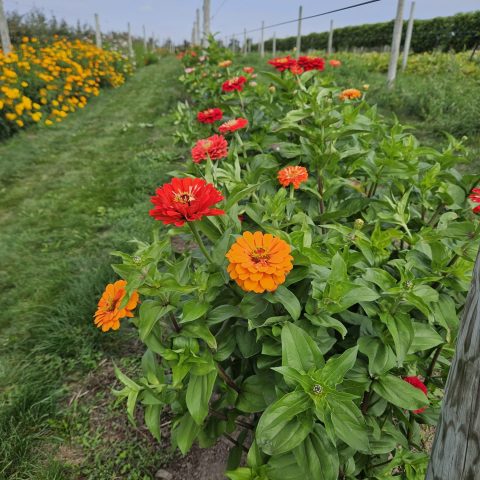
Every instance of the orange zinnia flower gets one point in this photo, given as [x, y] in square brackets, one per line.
[350, 94]
[233, 125]
[225, 63]
[259, 262]
[109, 313]
[335, 63]
[292, 176]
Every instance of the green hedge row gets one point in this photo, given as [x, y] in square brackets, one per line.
[458, 32]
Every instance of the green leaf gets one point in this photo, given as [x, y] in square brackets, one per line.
[239, 193]
[299, 350]
[185, 433]
[349, 425]
[193, 309]
[401, 328]
[222, 313]
[338, 269]
[284, 296]
[425, 338]
[256, 393]
[152, 420]
[381, 358]
[247, 342]
[281, 427]
[150, 312]
[399, 392]
[336, 367]
[317, 457]
[199, 330]
[199, 391]
[293, 377]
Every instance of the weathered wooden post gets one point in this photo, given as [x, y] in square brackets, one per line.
[206, 22]
[330, 39]
[262, 40]
[299, 32]
[144, 39]
[274, 44]
[408, 37]
[244, 41]
[98, 34]
[456, 447]
[4, 33]
[396, 39]
[199, 34]
[130, 46]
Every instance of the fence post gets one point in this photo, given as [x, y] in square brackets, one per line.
[396, 39]
[206, 21]
[244, 41]
[144, 38]
[234, 46]
[197, 29]
[4, 33]
[330, 39]
[299, 32]
[274, 44]
[408, 38]
[262, 41]
[98, 34]
[130, 46]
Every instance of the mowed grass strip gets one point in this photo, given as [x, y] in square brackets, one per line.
[68, 196]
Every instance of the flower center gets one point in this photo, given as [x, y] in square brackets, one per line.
[230, 123]
[206, 145]
[183, 197]
[260, 256]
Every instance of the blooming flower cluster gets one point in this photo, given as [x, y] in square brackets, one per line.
[45, 83]
[303, 64]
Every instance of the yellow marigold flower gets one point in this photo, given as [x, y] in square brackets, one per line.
[27, 103]
[350, 94]
[1, 104]
[225, 63]
[20, 123]
[19, 108]
[36, 106]
[24, 84]
[11, 116]
[259, 262]
[109, 313]
[48, 122]
[36, 117]
[366, 86]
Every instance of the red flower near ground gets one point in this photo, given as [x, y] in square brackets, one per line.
[235, 83]
[311, 63]
[296, 70]
[292, 176]
[283, 63]
[185, 200]
[417, 383]
[475, 197]
[335, 63]
[210, 116]
[109, 313]
[214, 147]
[248, 69]
[232, 125]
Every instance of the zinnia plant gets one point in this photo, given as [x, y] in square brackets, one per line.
[210, 115]
[233, 125]
[313, 330]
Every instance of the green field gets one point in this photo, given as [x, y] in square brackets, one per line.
[70, 195]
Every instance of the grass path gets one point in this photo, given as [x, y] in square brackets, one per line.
[68, 196]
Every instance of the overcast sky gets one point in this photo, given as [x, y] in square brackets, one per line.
[174, 18]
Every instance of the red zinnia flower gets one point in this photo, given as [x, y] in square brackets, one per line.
[214, 147]
[210, 116]
[283, 63]
[296, 70]
[292, 176]
[475, 197]
[417, 383]
[335, 63]
[235, 83]
[248, 69]
[185, 200]
[232, 125]
[311, 63]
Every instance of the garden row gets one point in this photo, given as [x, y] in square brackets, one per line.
[45, 82]
[302, 295]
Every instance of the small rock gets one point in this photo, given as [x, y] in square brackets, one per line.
[163, 475]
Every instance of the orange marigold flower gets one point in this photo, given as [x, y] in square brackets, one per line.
[335, 63]
[235, 83]
[109, 313]
[283, 63]
[210, 116]
[292, 176]
[248, 70]
[232, 125]
[225, 63]
[214, 147]
[259, 262]
[185, 200]
[350, 94]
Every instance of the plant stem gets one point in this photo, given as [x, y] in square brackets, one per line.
[240, 423]
[227, 379]
[241, 101]
[199, 241]
[320, 191]
[365, 402]
[175, 324]
[235, 442]
[432, 363]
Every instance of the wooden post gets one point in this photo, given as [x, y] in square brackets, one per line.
[194, 35]
[4, 33]
[408, 38]
[98, 34]
[234, 46]
[262, 41]
[199, 33]
[330, 39]
[299, 32]
[274, 44]
[130, 46]
[244, 41]
[206, 22]
[396, 39]
[249, 45]
[456, 447]
[144, 38]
